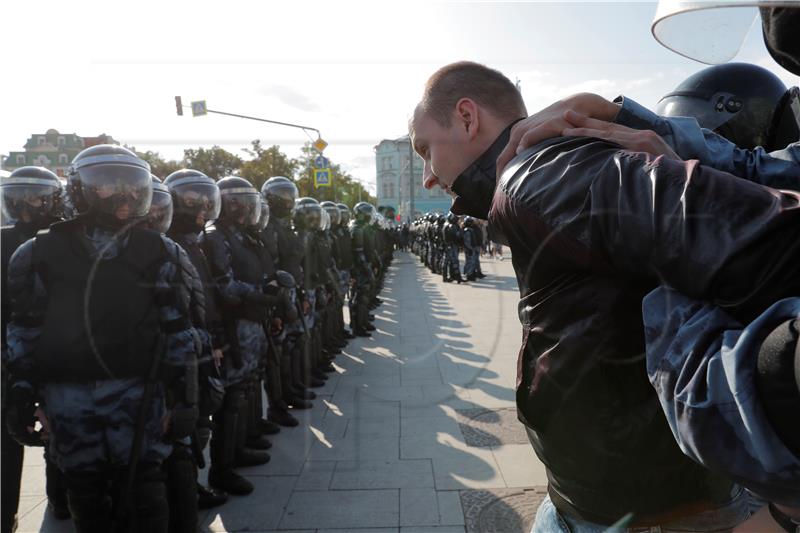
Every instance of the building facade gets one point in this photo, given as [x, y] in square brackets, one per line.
[52, 150]
[396, 179]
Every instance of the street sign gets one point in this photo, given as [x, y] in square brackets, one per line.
[322, 177]
[199, 108]
[321, 162]
[320, 145]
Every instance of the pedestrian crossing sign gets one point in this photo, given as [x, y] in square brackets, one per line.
[322, 177]
[199, 108]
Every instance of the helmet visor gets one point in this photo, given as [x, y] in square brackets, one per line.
[197, 200]
[263, 218]
[242, 208]
[121, 191]
[27, 201]
[159, 217]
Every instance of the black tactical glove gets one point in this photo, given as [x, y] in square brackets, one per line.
[20, 416]
[182, 421]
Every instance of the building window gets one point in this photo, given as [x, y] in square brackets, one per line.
[62, 158]
[61, 140]
[20, 159]
[40, 141]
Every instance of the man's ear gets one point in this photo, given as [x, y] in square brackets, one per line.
[467, 112]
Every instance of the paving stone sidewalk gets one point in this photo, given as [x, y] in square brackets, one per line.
[415, 433]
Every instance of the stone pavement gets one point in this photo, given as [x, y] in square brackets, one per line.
[415, 433]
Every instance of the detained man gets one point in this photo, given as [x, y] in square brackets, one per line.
[592, 229]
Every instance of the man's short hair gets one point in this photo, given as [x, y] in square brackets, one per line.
[466, 79]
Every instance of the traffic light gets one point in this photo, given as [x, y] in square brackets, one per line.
[179, 106]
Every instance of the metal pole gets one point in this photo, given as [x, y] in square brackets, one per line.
[262, 120]
[411, 177]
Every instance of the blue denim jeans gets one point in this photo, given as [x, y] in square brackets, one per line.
[722, 519]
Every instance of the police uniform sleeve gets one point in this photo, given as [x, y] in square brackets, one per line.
[28, 300]
[779, 169]
[183, 346]
[700, 361]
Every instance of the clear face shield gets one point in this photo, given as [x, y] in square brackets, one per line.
[29, 199]
[263, 218]
[159, 217]
[123, 192]
[709, 31]
[241, 208]
[198, 200]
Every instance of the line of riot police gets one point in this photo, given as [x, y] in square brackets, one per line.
[437, 239]
[142, 325]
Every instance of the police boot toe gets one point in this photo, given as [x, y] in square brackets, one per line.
[230, 482]
[208, 497]
[329, 368]
[363, 333]
[60, 510]
[250, 457]
[259, 443]
[316, 383]
[370, 327]
[280, 416]
[319, 374]
[298, 403]
[302, 392]
[268, 428]
[348, 335]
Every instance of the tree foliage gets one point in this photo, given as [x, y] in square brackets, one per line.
[264, 163]
[214, 162]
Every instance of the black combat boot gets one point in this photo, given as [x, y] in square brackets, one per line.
[208, 497]
[282, 417]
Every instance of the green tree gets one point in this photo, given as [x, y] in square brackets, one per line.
[265, 163]
[158, 165]
[344, 188]
[215, 162]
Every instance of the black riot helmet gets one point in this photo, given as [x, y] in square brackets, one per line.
[307, 214]
[263, 218]
[344, 214]
[195, 199]
[469, 222]
[333, 212]
[31, 195]
[241, 203]
[362, 212]
[110, 184]
[452, 217]
[747, 104]
[280, 193]
[159, 217]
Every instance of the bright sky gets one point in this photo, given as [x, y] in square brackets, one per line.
[354, 70]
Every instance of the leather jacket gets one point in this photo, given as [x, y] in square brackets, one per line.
[592, 229]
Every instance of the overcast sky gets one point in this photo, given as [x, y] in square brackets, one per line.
[354, 70]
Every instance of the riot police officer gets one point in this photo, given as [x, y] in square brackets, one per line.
[307, 219]
[195, 201]
[362, 271]
[451, 233]
[345, 255]
[32, 200]
[281, 193]
[276, 376]
[239, 276]
[98, 366]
